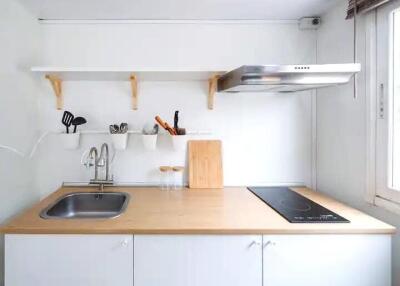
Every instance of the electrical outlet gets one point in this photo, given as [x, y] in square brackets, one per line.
[309, 23]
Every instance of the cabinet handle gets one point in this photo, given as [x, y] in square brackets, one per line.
[254, 242]
[269, 242]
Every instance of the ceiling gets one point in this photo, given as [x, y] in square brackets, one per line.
[177, 9]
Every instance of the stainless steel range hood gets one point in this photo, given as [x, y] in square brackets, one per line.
[286, 78]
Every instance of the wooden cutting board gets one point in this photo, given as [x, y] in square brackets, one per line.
[205, 164]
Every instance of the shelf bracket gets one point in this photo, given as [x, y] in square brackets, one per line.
[212, 89]
[134, 85]
[56, 83]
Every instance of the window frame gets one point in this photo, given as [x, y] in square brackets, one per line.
[380, 196]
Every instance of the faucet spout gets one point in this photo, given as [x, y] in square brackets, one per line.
[96, 172]
[104, 148]
[101, 161]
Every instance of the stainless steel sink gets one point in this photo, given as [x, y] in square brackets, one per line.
[87, 205]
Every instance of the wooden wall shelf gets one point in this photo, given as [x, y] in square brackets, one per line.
[56, 83]
[56, 75]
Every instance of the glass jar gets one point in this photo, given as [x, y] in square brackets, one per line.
[178, 177]
[166, 178]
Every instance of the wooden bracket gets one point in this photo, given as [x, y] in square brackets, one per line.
[56, 83]
[133, 80]
[212, 88]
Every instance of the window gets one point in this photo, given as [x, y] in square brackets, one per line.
[394, 105]
[386, 135]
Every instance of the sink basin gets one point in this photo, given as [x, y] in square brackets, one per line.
[87, 205]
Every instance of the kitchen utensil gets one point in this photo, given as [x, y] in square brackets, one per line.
[165, 125]
[67, 119]
[155, 129]
[78, 121]
[123, 128]
[119, 129]
[176, 119]
[147, 129]
[181, 131]
[205, 164]
[150, 129]
[113, 130]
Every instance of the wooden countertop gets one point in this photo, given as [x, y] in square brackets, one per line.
[194, 211]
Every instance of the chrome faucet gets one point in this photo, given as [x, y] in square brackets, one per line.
[101, 161]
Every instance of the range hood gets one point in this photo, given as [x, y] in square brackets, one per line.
[286, 78]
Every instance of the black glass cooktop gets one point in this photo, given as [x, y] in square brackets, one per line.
[294, 207]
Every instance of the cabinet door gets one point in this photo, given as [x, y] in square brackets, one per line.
[198, 260]
[65, 260]
[327, 260]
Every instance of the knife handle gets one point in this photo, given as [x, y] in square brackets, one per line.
[165, 125]
[176, 119]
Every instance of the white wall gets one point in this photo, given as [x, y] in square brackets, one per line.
[19, 38]
[341, 126]
[266, 139]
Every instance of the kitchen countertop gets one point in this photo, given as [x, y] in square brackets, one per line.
[193, 211]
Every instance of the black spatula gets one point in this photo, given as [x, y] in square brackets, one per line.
[67, 119]
[78, 121]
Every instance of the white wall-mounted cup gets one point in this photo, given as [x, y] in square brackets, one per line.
[149, 141]
[120, 141]
[179, 142]
[70, 140]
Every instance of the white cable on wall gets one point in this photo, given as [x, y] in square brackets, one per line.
[19, 153]
[37, 143]
[11, 149]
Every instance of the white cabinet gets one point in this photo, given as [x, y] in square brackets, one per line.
[198, 260]
[327, 260]
[65, 260]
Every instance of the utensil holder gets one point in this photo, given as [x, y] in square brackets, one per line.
[149, 141]
[70, 140]
[120, 141]
[179, 142]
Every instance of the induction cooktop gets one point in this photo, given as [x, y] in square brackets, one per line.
[294, 207]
